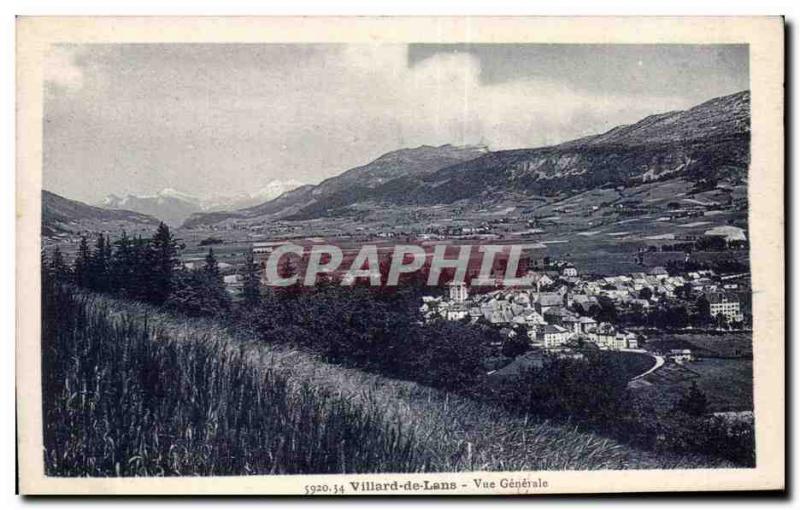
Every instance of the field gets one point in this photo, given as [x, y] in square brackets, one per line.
[727, 383]
[724, 370]
[723, 345]
[593, 229]
[130, 391]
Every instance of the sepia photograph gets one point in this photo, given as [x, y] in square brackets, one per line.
[473, 264]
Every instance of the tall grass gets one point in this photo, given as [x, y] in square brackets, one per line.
[123, 398]
[129, 391]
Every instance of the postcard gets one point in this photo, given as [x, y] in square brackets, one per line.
[349, 256]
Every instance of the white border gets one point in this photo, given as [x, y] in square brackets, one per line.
[494, 9]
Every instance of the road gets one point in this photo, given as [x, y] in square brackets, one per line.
[659, 362]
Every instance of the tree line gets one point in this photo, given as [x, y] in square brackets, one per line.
[149, 270]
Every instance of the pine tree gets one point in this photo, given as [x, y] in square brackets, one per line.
[163, 253]
[694, 402]
[58, 267]
[82, 264]
[98, 266]
[200, 292]
[121, 265]
[211, 267]
[140, 269]
[251, 288]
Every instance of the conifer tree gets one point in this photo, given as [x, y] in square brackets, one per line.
[140, 269]
[82, 264]
[251, 286]
[693, 402]
[211, 267]
[121, 264]
[98, 267]
[200, 292]
[163, 255]
[58, 267]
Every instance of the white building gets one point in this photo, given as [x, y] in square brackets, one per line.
[680, 355]
[457, 312]
[726, 305]
[458, 292]
[554, 336]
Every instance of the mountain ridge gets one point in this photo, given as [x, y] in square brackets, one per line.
[707, 141]
[413, 163]
[61, 214]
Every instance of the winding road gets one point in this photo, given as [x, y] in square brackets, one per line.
[658, 364]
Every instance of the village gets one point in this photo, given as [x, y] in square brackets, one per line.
[558, 310]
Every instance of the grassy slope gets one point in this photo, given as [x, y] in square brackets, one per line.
[405, 426]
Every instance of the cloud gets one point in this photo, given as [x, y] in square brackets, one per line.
[229, 118]
[442, 100]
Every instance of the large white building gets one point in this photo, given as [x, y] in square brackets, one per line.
[458, 292]
[554, 336]
[726, 305]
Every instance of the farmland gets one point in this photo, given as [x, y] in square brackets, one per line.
[723, 370]
[716, 345]
[727, 383]
[600, 230]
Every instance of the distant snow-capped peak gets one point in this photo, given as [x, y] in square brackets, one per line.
[173, 193]
[216, 202]
[275, 188]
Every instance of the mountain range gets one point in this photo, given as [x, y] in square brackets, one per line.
[708, 142]
[61, 214]
[173, 206]
[413, 163]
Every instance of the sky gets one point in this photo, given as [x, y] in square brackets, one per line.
[222, 119]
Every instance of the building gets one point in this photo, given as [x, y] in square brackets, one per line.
[458, 292]
[625, 341]
[231, 279]
[584, 302]
[680, 355]
[538, 279]
[659, 272]
[569, 270]
[547, 300]
[728, 233]
[725, 304]
[603, 335]
[558, 315]
[530, 318]
[233, 283]
[584, 324]
[632, 341]
[456, 312]
[554, 336]
[265, 248]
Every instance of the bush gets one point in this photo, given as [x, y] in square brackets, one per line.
[591, 390]
[198, 294]
[377, 331]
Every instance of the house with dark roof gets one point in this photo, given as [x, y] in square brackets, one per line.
[547, 300]
[554, 336]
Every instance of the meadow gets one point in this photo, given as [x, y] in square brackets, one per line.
[132, 391]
